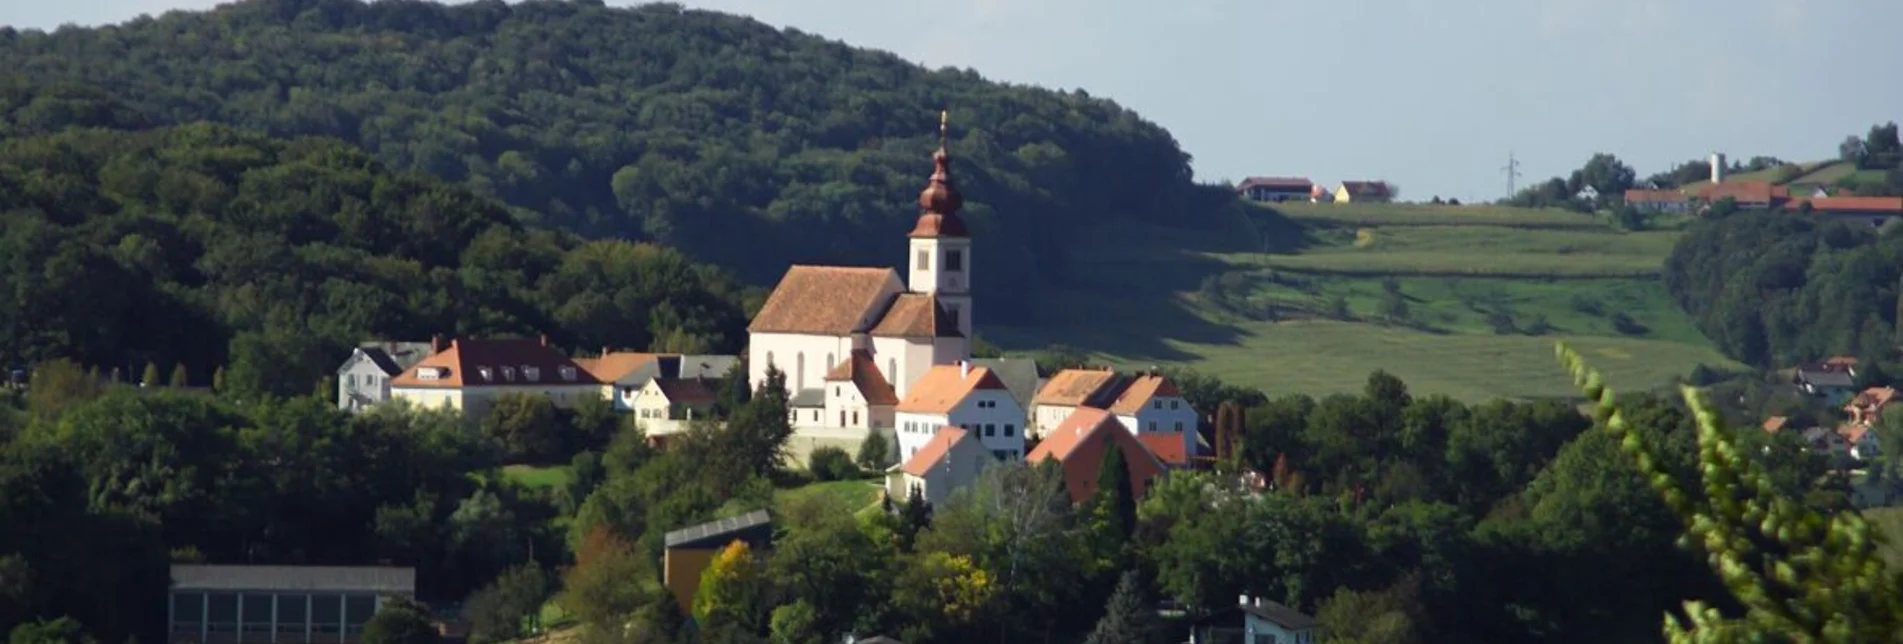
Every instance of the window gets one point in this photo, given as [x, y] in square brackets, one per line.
[326, 613]
[508, 373]
[990, 430]
[568, 373]
[835, 390]
[999, 454]
[485, 373]
[1173, 403]
[223, 609]
[769, 358]
[1179, 427]
[925, 260]
[531, 373]
[351, 380]
[257, 613]
[891, 368]
[357, 610]
[1152, 425]
[1156, 404]
[292, 610]
[187, 610]
[429, 373]
[855, 417]
[1009, 429]
[954, 260]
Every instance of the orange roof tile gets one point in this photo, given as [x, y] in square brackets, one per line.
[945, 386]
[1637, 195]
[934, 451]
[1085, 434]
[509, 362]
[1168, 448]
[1074, 387]
[1863, 205]
[1852, 432]
[1754, 192]
[916, 315]
[863, 371]
[1079, 425]
[612, 366]
[1775, 423]
[1139, 392]
[1873, 398]
[824, 300]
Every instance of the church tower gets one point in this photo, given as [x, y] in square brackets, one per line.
[940, 257]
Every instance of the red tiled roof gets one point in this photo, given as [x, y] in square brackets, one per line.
[509, 362]
[1079, 443]
[1744, 192]
[1168, 448]
[945, 386]
[1366, 188]
[916, 315]
[934, 451]
[1874, 398]
[1860, 205]
[1139, 392]
[1852, 432]
[612, 366]
[685, 391]
[1072, 387]
[1277, 183]
[1636, 195]
[1775, 423]
[824, 300]
[863, 372]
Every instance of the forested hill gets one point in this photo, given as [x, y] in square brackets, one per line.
[718, 135]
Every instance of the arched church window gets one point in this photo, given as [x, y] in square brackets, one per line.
[799, 367]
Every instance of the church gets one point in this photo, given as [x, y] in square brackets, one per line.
[823, 320]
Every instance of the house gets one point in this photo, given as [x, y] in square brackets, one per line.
[1860, 441]
[1830, 382]
[688, 551]
[1868, 405]
[623, 374]
[470, 374]
[1872, 211]
[674, 399]
[1019, 375]
[211, 604]
[1070, 389]
[1775, 424]
[363, 380]
[952, 459]
[1748, 195]
[1255, 621]
[807, 408]
[858, 395]
[1364, 192]
[1587, 193]
[1318, 194]
[818, 315]
[1275, 189]
[1079, 445]
[963, 396]
[1661, 201]
[1150, 405]
[1824, 439]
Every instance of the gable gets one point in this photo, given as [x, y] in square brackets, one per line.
[945, 386]
[826, 300]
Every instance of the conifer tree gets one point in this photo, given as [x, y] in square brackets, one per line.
[179, 378]
[151, 376]
[218, 380]
[1130, 617]
[1115, 499]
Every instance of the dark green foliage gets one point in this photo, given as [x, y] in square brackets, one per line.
[831, 464]
[758, 431]
[1116, 497]
[1130, 618]
[527, 427]
[508, 607]
[400, 622]
[876, 453]
[179, 377]
[735, 142]
[64, 630]
[151, 377]
[1773, 289]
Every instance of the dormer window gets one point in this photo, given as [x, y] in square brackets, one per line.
[531, 374]
[429, 373]
[568, 373]
[508, 373]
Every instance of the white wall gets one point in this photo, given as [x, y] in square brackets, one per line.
[914, 359]
[997, 410]
[1048, 417]
[915, 430]
[786, 350]
[475, 401]
[1174, 414]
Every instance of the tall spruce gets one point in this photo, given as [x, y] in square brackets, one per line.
[151, 376]
[179, 377]
[1130, 617]
[1116, 497]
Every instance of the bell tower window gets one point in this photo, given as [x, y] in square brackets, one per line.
[954, 261]
[925, 260]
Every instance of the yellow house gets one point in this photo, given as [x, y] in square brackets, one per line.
[1364, 192]
[468, 375]
[674, 399]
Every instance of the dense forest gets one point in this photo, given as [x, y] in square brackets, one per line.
[722, 137]
[1772, 288]
[207, 247]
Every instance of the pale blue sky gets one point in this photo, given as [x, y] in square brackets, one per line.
[1429, 95]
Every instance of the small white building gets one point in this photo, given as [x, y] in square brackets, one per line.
[1255, 620]
[363, 380]
[1150, 405]
[858, 396]
[951, 459]
[679, 399]
[963, 396]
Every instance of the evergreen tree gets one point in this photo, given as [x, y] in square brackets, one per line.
[151, 377]
[758, 432]
[179, 377]
[1116, 498]
[875, 453]
[218, 380]
[1130, 618]
[400, 622]
[913, 518]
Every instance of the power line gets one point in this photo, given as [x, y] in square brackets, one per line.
[1512, 170]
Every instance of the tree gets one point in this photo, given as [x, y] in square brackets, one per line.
[64, 630]
[831, 464]
[179, 379]
[876, 453]
[1389, 616]
[1115, 501]
[1605, 173]
[509, 607]
[218, 380]
[1131, 616]
[400, 622]
[151, 376]
[731, 591]
[611, 584]
[59, 383]
[526, 426]
[757, 434]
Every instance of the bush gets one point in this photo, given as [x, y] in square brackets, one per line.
[1538, 325]
[832, 464]
[1624, 324]
[1502, 322]
[876, 453]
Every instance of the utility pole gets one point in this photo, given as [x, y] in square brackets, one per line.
[1512, 171]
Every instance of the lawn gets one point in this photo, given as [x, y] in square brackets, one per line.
[536, 477]
[848, 496]
[1430, 215]
[1889, 521]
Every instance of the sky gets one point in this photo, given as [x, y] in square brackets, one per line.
[1429, 95]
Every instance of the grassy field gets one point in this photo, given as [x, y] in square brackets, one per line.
[1487, 292]
[537, 477]
[849, 496]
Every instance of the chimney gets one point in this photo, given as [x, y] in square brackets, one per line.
[436, 344]
[964, 369]
[1242, 601]
[545, 339]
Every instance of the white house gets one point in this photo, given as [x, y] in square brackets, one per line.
[623, 374]
[951, 459]
[963, 396]
[1150, 405]
[470, 374]
[673, 399]
[1069, 389]
[1587, 193]
[363, 380]
[858, 396]
[819, 315]
[1255, 621]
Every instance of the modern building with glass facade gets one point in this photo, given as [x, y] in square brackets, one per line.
[279, 604]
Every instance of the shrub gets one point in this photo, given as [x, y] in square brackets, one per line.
[1502, 322]
[1624, 324]
[832, 464]
[876, 453]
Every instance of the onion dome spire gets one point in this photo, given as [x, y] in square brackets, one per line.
[940, 201]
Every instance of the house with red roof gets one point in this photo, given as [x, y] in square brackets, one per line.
[818, 316]
[949, 460]
[1275, 189]
[1364, 192]
[1148, 404]
[858, 395]
[1079, 444]
[469, 374]
[963, 396]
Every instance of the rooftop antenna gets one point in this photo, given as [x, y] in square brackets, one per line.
[1512, 171]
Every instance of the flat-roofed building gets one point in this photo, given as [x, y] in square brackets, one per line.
[211, 604]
